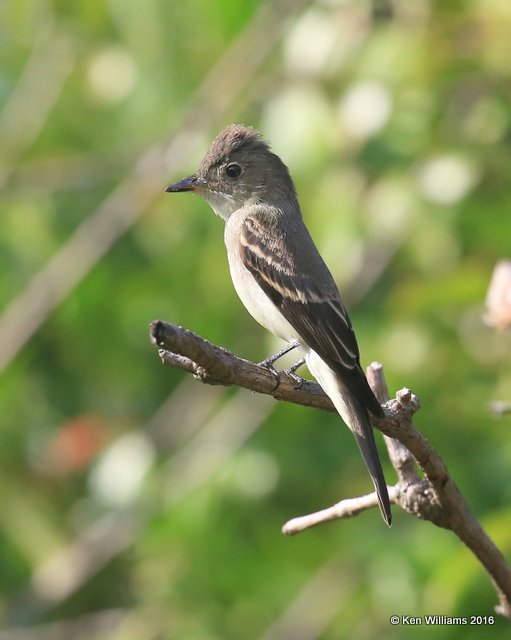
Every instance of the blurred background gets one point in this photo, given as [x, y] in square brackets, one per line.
[136, 503]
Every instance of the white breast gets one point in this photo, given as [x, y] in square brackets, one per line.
[253, 297]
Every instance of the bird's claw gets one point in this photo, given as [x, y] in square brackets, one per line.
[291, 371]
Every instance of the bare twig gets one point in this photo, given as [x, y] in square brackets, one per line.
[434, 497]
[215, 365]
[402, 460]
[343, 509]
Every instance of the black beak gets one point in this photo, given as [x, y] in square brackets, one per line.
[186, 184]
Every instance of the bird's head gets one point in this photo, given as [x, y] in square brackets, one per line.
[239, 169]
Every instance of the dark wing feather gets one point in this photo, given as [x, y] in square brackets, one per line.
[320, 318]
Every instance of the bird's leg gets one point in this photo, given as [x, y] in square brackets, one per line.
[291, 371]
[293, 368]
[268, 362]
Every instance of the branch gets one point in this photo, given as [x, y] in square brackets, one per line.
[433, 497]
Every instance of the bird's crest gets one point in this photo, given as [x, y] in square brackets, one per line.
[231, 139]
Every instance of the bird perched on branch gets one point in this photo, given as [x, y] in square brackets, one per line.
[281, 278]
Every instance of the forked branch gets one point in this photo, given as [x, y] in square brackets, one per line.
[432, 495]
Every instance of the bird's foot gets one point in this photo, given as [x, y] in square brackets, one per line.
[291, 371]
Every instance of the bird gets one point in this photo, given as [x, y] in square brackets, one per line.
[281, 278]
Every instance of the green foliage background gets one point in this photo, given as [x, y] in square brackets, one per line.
[137, 503]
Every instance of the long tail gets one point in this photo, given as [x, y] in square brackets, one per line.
[361, 428]
[355, 415]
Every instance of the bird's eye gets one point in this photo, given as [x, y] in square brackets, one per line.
[233, 170]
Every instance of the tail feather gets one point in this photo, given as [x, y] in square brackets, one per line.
[364, 435]
[356, 416]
